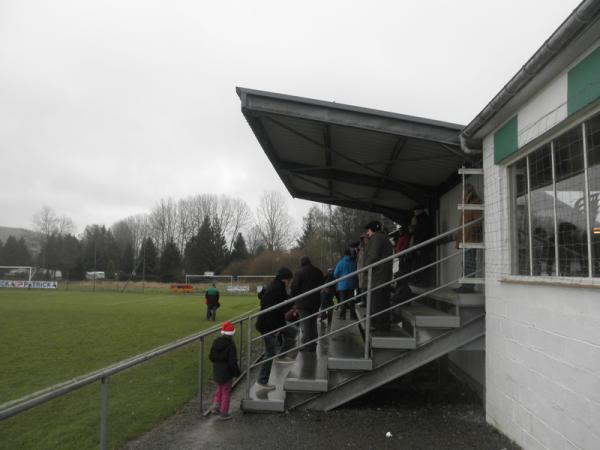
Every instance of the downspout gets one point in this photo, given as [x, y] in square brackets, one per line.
[575, 24]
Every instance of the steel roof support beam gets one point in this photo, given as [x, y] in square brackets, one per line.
[415, 192]
[327, 141]
[400, 144]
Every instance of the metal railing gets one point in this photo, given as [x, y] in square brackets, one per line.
[103, 375]
[368, 293]
[244, 320]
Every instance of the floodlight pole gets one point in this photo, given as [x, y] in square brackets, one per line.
[95, 274]
[143, 266]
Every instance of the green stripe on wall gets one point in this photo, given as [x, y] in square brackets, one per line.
[584, 82]
[506, 140]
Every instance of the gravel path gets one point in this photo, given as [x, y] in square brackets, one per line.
[443, 417]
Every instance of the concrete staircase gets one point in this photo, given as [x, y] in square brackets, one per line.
[338, 372]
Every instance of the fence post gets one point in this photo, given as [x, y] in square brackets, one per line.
[200, 371]
[103, 413]
[241, 341]
[368, 320]
[248, 356]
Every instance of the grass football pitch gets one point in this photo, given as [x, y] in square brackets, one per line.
[49, 337]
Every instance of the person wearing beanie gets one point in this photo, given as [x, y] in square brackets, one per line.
[273, 294]
[378, 248]
[223, 355]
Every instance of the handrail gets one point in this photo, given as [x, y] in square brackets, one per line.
[366, 268]
[357, 321]
[16, 406]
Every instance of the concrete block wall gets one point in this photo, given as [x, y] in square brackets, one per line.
[542, 343]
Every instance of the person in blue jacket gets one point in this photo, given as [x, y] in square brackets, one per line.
[346, 286]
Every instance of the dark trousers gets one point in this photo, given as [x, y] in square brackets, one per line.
[211, 313]
[380, 300]
[309, 329]
[326, 302]
[270, 351]
[342, 296]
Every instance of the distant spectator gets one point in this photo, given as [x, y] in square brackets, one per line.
[345, 287]
[211, 298]
[360, 263]
[379, 247]
[307, 278]
[421, 230]
[327, 294]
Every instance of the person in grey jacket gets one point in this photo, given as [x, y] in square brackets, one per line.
[378, 248]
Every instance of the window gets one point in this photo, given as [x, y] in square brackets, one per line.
[555, 194]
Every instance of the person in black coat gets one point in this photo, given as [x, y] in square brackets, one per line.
[307, 278]
[379, 247]
[223, 355]
[272, 295]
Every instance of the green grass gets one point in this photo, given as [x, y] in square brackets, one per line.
[52, 336]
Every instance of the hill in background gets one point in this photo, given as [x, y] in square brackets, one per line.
[29, 236]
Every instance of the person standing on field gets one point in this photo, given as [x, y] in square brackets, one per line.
[211, 298]
[223, 355]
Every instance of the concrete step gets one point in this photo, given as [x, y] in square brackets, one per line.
[471, 280]
[471, 245]
[356, 364]
[308, 373]
[451, 297]
[419, 315]
[396, 339]
[470, 171]
[261, 400]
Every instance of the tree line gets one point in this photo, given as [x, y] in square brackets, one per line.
[194, 235]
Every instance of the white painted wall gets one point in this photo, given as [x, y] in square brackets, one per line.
[542, 343]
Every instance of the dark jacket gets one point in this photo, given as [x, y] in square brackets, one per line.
[212, 297]
[273, 294]
[345, 266]
[223, 355]
[305, 279]
[379, 247]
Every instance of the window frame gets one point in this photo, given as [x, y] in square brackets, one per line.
[549, 139]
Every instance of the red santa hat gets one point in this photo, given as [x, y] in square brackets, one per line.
[228, 329]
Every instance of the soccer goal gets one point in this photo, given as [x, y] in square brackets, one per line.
[208, 279]
[17, 271]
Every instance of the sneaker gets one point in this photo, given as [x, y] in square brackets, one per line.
[266, 387]
[285, 360]
[214, 409]
[224, 416]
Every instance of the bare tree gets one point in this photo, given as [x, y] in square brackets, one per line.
[274, 221]
[254, 240]
[163, 219]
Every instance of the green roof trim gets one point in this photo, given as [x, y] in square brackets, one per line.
[584, 82]
[506, 140]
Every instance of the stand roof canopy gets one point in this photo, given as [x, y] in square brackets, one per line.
[355, 157]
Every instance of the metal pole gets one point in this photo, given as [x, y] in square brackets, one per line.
[104, 413]
[248, 357]
[556, 236]
[200, 371]
[587, 201]
[368, 321]
[241, 341]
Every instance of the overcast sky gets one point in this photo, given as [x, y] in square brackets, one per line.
[108, 106]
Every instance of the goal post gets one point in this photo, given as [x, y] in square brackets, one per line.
[208, 279]
[14, 270]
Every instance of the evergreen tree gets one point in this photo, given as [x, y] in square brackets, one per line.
[100, 247]
[197, 250]
[128, 259]
[15, 253]
[239, 251]
[149, 258]
[170, 263]
[218, 247]
[71, 263]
